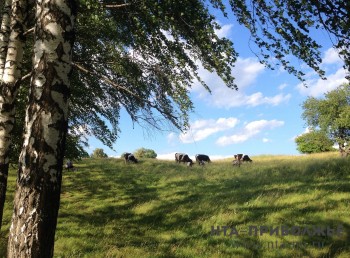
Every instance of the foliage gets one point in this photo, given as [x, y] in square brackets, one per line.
[331, 115]
[99, 153]
[145, 153]
[97, 204]
[314, 142]
[75, 148]
[284, 28]
[144, 55]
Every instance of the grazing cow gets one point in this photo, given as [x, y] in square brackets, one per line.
[246, 159]
[238, 160]
[129, 157]
[178, 157]
[182, 157]
[201, 158]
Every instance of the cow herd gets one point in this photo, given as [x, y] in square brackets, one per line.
[201, 159]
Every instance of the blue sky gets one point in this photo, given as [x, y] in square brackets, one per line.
[262, 117]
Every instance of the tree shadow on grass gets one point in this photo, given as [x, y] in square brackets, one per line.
[179, 211]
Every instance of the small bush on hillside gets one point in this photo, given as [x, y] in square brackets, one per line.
[314, 142]
[145, 153]
[99, 153]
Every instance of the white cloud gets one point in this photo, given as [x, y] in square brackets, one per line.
[331, 56]
[224, 31]
[250, 130]
[336, 74]
[307, 130]
[259, 99]
[265, 140]
[171, 156]
[201, 129]
[166, 156]
[317, 87]
[282, 86]
[245, 72]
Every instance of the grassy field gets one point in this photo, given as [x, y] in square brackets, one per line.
[163, 209]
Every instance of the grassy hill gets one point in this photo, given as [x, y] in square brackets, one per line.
[163, 209]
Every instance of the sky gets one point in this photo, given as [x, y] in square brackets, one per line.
[262, 118]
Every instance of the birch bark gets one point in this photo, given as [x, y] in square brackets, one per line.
[11, 55]
[38, 189]
[4, 34]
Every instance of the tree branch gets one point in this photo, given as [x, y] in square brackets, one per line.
[26, 76]
[31, 30]
[108, 81]
[115, 5]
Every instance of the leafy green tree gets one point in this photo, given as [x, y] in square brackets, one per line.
[140, 55]
[145, 153]
[99, 153]
[331, 115]
[314, 142]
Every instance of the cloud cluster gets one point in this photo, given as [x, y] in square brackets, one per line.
[202, 129]
[245, 72]
[316, 86]
[249, 131]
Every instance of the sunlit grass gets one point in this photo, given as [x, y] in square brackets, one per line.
[163, 209]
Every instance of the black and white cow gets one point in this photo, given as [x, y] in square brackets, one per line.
[201, 158]
[246, 159]
[178, 157]
[129, 157]
[182, 157]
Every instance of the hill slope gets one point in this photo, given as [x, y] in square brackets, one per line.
[163, 209]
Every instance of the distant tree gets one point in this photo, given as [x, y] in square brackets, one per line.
[99, 153]
[145, 153]
[331, 115]
[314, 142]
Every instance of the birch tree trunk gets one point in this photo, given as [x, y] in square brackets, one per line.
[4, 34]
[11, 56]
[38, 189]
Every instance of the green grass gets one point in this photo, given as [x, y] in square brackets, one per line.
[163, 209]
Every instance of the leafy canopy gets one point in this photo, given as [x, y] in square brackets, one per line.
[314, 142]
[282, 29]
[331, 115]
[143, 56]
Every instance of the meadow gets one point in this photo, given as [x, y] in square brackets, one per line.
[163, 209]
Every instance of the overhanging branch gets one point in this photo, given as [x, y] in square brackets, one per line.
[119, 87]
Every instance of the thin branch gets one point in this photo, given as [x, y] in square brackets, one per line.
[108, 81]
[31, 30]
[26, 76]
[115, 5]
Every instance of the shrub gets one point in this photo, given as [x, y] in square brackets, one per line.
[99, 153]
[145, 153]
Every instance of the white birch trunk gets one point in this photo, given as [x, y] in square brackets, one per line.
[11, 73]
[4, 34]
[37, 195]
